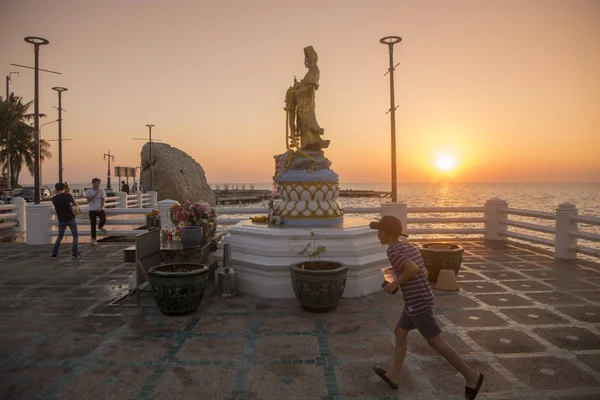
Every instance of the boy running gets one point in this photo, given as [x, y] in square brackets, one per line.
[411, 278]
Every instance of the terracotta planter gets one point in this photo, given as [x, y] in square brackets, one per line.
[438, 256]
[319, 289]
[178, 288]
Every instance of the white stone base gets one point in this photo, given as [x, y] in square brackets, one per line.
[262, 254]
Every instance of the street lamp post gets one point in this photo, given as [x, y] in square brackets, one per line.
[40, 139]
[390, 41]
[110, 158]
[150, 141]
[60, 168]
[8, 161]
[37, 42]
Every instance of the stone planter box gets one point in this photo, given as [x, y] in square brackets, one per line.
[178, 288]
[438, 256]
[318, 289]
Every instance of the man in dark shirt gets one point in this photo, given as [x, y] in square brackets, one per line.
[63, 205]
[124, 187]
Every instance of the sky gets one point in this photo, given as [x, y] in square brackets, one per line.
[507, 89]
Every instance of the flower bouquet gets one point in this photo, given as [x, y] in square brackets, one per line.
[199, 213]
[192, 217]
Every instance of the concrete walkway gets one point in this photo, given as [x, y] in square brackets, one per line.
[531, 324]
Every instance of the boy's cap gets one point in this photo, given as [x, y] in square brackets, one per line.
[96, 180]
[388, 224]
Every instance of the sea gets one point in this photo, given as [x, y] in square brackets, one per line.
[531, 196]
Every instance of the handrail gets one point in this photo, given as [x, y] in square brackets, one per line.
[8, 216]
[588, 251]
[529, 213]
[528, 238]
[442, 220]
[585, 219]
[8, 224]
[465, 231]
[7, 207]
[592, 237]
[415, 210]
[532, 227]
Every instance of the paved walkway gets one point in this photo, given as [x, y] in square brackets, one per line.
[531, 324]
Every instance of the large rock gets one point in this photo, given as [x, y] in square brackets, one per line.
[176, 175]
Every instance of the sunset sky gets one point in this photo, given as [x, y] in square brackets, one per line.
[509, 89]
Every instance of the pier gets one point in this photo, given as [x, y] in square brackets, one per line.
[241, 196]
[363, 193]
[527, 321]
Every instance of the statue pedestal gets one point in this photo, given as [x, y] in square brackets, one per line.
[262, 254]
[309, 198]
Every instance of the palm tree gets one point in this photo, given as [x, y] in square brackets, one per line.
[13, 119]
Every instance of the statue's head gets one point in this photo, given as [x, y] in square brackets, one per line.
[310, 57]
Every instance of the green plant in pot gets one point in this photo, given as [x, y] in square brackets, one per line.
[318, 285]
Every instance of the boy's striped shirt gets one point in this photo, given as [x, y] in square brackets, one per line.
[416, 291]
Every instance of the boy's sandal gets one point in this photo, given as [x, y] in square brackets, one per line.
[471, 393]
[381, 372]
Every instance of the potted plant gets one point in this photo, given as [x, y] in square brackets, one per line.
[178, 288]
[318, 285]
[438, 256]
[196, 221]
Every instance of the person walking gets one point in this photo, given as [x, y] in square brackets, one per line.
[96, 197]
[411, 279]
[124, 187]
[63, 205]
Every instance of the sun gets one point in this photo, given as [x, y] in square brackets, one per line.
[445, 162]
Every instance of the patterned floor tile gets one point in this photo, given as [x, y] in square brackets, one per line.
[548, 373]
[570, 338]
[506, 341]
[197, 382]
[286, 382]
[533, 316]
[120, 382]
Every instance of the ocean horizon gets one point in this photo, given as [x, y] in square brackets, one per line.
[542, 196]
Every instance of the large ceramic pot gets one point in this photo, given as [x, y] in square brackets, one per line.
[178, 288]
[438, 256]
[191, 236]
[318, 286]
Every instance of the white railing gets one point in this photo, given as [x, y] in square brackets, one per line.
[589, 236]
[494, 221]
[12, 216]
[561, 235]
[116, 219]
[526, 226]
[8, 216]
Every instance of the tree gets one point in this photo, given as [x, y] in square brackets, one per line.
[13, 119]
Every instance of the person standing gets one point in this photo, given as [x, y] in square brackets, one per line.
[96, 197]
[411, 279]
[124, 187]
[63, 205]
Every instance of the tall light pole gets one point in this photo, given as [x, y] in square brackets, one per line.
[60, 168]
[110, 158]
[390, 41]
[37, 42]
[149, 140]
[8, 161]
[40, 139]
